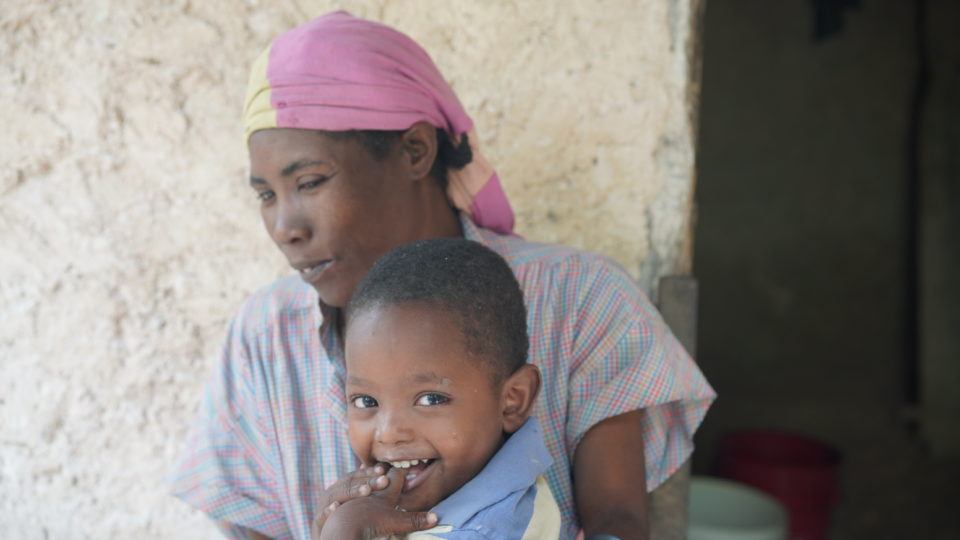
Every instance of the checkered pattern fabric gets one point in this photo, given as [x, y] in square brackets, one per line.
[271, 430]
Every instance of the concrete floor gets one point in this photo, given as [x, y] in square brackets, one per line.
[894, 490]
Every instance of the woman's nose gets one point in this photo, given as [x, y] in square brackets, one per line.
[290, 226]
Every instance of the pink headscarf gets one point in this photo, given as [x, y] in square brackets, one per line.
[338, 72]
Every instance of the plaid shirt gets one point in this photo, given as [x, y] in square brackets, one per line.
[271, 431]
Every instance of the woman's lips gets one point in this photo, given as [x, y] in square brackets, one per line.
[312, 273]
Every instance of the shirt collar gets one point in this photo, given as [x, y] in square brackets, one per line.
[516, 466]
[470, 230]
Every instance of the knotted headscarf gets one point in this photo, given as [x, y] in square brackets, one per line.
[338, 73]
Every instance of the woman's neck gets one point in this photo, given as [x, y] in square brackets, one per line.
[439, 218]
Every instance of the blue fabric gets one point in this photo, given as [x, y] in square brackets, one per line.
[498, 502]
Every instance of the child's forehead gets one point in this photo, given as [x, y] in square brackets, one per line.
[414, 342]
[410, 379]
[407, 325]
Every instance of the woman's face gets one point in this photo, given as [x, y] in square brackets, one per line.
[329, 206]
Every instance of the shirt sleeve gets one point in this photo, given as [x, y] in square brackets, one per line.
[226, 469]
[625, 359]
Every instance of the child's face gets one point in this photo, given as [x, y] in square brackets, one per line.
[413, 393]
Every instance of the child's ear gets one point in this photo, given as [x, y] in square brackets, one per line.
[519, 394]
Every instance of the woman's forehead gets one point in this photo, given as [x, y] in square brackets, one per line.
[280, 150]
[278, 139]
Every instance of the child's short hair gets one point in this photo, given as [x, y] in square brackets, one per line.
[465, 279]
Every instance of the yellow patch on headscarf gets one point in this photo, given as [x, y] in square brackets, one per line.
[258, 113]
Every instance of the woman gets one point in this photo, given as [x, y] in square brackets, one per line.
[357, 146]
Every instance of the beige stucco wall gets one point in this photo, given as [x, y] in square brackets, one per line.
[128, 236]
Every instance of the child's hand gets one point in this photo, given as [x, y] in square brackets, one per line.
[378, 515]
[357, 484]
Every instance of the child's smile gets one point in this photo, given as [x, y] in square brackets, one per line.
[416, 471]
[418, 400]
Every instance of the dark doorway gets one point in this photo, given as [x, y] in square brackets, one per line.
[808, 242]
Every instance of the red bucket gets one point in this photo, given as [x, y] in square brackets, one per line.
[799, 472]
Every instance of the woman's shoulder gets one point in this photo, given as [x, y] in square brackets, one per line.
[519, 251]
[526, 256]
[580, 283]
[552, 261]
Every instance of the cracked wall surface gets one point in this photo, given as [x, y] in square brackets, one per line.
[128, 236]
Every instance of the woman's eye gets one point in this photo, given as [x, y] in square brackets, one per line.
[428, 400]
[265, 195]
[312, 182]
[364, 402]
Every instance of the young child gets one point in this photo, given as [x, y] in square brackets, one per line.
[439, 392]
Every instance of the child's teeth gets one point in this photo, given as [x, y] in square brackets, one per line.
[408, 463]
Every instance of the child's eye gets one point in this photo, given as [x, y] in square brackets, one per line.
[265, 195]
[428, 400]
[364, 402]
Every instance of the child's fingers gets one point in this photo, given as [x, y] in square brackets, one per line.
[404, 522]
[376, 469]
[377, 476]
[392, 491]
[321, 520]
[359, 483]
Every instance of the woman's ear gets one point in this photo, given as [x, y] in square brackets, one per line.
[518, 395]
[420, 149]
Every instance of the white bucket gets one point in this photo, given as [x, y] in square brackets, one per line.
[724, 510]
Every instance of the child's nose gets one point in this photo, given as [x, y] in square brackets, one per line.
[394, 427]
